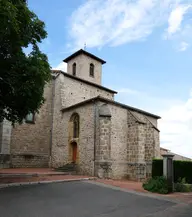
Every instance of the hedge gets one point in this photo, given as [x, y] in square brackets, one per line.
[182, 169]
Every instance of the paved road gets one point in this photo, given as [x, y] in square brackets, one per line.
[82, 199]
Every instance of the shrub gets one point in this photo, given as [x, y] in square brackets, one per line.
[157, 184]
[182, 186]
[179, 187]
[181, 169]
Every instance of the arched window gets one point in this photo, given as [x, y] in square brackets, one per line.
[74, 69]
[91, 70]
[75, 124]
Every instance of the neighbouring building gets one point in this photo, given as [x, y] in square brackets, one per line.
[80, 122]
[176, 156]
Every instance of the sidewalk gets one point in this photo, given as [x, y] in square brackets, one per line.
[137, 187]
[29, 172]
[26, 170]
[35, 175]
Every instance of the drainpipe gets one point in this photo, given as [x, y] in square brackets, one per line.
[52, 115]
[95, 122]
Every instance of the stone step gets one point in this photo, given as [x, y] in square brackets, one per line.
[4, 175]
[67, 168]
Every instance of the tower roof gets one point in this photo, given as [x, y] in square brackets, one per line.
[81, 51]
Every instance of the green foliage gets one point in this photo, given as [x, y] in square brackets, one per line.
[157, 185]
[182, 169]
[157, 167]
[179, 187]
[182, 180]
[182, 186]
[22, 77]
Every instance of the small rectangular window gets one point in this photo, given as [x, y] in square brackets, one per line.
[30, 118]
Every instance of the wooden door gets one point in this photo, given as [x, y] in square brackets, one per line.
[74, 156]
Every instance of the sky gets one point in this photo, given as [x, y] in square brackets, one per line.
[147, 45]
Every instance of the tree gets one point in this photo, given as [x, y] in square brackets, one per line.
[22, 77]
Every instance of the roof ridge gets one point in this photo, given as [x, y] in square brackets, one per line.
[85, 81]
[81, 51]
[113, 102]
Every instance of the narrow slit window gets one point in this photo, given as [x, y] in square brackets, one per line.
[91, 70]
[74, 69]
[75, 125]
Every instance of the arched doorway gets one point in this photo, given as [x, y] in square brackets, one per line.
[74, 152]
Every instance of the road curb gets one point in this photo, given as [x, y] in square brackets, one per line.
[45, 182]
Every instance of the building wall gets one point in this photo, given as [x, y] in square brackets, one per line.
[30, 143]
[73, 91]
[152, 120]
[82, 68]
[119, 144]
[176, 156]
[132, 144]
[5, 138]
[68, 92]
[157, 143]
[85, 142]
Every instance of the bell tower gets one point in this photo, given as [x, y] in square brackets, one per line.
[85, 65]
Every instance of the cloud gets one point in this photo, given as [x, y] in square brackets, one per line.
[62, 66]
[176, 118]
[116, 22]
[176, 128]
[176, 18]
[183, 46]
[113, 22]
[179, 26]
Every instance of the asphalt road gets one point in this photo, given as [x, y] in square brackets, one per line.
[82, 199]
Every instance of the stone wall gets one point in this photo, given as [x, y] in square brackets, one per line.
[73, 91]
[136, 146]
[118, 141]
[85, 142]
[4, 161]
[152, 120]
[150, 144]
[68, 92]
[30, 142]
[103, 150]
[82, 68]
[1, 135]
[157, 143]
[29, 160]
[5, 137]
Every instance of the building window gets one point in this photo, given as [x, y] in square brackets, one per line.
[91, 70]
[74, 69]
[75, 124]
[30, 118]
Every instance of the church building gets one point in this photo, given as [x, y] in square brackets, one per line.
[80, 123]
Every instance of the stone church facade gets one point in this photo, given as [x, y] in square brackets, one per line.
[80, 122]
